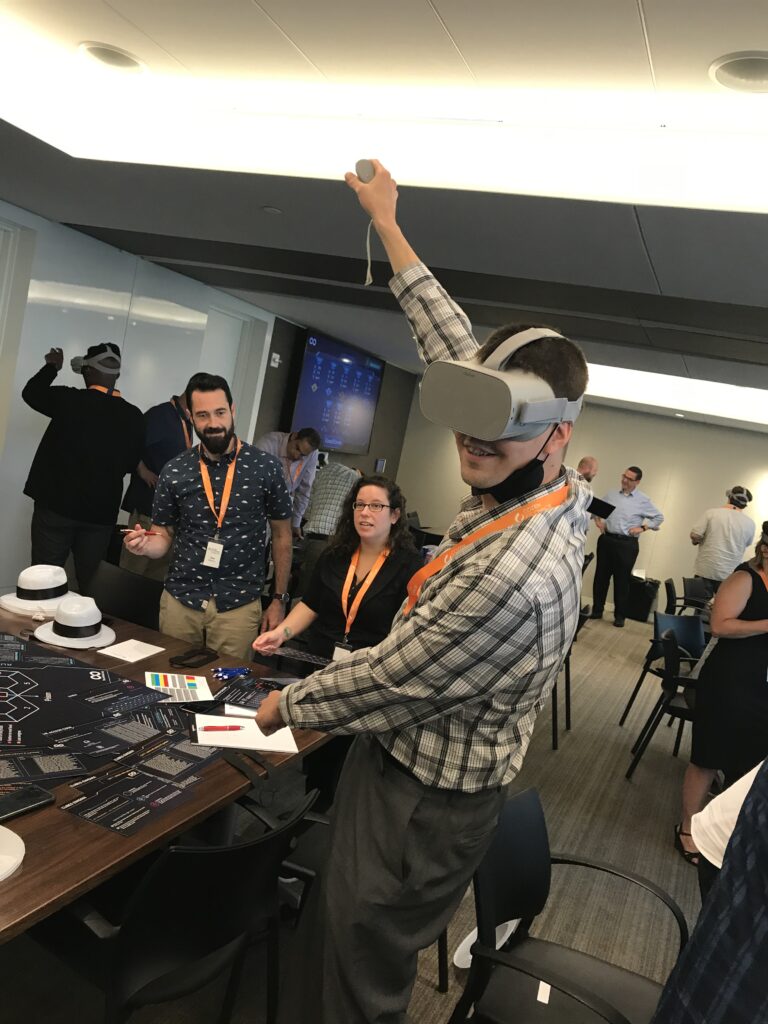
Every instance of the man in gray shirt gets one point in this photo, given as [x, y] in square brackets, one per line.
[332, 484]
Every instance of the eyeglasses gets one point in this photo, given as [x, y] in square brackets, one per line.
[374, 506]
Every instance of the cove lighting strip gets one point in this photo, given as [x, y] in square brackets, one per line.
[704, 150]
[682, 394]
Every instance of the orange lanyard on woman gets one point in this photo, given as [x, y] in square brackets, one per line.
[763, 576]
[513, 518]
[219, 516]
[351, 613]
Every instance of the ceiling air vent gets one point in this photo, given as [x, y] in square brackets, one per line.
[112, 56]
[745, 72]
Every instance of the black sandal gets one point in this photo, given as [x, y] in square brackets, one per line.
[689, 856]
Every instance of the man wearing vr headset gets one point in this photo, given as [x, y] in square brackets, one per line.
[722, 535]
[444, 707]
[93, 440]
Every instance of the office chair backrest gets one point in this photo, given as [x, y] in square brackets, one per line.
[412, 520]
[126, 595]
[513, 878]
[196, 900]
[671, 676]
[695, 592]
[671, 592]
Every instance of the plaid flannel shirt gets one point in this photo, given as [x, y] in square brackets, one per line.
[454, 690]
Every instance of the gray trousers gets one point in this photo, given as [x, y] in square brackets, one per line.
[401, 857]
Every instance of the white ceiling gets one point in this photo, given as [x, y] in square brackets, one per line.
[591, 99]
[608, 100]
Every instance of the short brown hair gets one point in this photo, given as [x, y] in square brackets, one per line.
[558, 361]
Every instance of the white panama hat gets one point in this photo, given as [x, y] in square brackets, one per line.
[39, 589]
[77, 624]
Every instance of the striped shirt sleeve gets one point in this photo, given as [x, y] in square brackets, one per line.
[440, 327]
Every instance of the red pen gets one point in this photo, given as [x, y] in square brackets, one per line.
[222, 728]
[147, 533]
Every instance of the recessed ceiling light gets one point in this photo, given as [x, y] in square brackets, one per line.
[680, 415]
[271, 209]
[112, 56]
[744, 72]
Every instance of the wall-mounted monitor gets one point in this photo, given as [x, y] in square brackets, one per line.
[337, 394]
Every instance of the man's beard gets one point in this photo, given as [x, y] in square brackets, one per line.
[216, 441]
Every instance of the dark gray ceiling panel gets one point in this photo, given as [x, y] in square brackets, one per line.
[708, 254]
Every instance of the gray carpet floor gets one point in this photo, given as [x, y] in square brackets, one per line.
[591, 810]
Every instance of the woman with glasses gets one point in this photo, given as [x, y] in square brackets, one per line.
[360, 579]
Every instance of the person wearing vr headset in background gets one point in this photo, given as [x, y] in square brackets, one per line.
[444, 707]
[722, 535]
[93, 440]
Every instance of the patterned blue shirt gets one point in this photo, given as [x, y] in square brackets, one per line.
[631, 510]
[258, 494]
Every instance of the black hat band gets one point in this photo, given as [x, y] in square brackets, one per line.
[76, 632]
[41, 595]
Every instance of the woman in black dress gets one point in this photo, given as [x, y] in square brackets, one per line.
[360, 580]
[730, 726]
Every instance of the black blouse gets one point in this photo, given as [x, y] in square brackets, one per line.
[377, 609]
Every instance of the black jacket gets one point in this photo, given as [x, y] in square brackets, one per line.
[92, 442]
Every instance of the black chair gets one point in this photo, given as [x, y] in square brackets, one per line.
[584, 614]
[127, 595]
[674, 603]
[503, 986]
[676, 700]
[689, 631]
[696, 595]
[190, 916]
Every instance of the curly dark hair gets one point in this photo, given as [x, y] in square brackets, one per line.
[345, 540]
[756, 562]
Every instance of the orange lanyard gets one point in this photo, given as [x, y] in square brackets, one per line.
[351, 613]
[107, 391]
[762, 574]
[513, 518]
[299, 468]
[184, 425]
[219, 516]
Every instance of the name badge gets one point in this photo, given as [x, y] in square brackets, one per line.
[213, 552]
[341, 652]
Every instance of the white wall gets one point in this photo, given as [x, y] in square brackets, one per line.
[82, 292]
[687, 468]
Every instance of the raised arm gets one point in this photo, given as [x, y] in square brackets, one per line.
[440, 327]
[38, 393]
[379, 200]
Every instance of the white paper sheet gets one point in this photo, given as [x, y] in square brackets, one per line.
[250, 737]
[131, 650]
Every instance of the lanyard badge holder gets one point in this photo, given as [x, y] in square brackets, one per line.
[344, 650]
[214, 549]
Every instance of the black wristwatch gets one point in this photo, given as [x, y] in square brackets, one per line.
[284, 598]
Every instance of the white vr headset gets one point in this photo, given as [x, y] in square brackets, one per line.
[97, 362]
[486, 401]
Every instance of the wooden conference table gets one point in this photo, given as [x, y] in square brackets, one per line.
[67, 856]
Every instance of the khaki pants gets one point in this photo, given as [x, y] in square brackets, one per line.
[154, 568]
[230, 632]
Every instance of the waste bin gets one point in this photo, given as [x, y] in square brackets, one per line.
[642, 597]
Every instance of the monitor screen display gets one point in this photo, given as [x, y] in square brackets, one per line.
[337, 395]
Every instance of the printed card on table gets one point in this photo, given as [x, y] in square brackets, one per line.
[176, 686]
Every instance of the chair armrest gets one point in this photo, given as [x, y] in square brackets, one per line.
[639, 880]
[540, 973]
[93, 920]
[316, 818]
